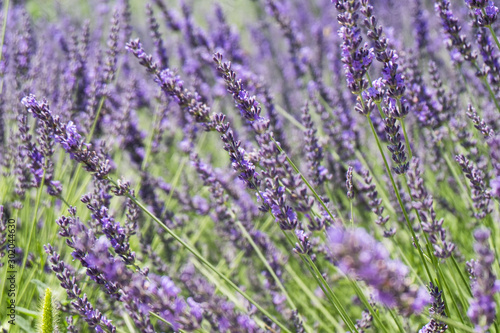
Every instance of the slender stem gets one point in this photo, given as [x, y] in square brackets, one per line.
[352, 214]
[396, 320]
[462, 277]
[407, 141]
[150, 141]
[203, 260]
[396, 190]
[457, 325]
[33, 223]
[455, 303]
[98, 113]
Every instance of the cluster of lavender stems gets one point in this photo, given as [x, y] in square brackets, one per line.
[279, 166]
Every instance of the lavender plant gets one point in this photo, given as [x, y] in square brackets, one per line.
[275, 166]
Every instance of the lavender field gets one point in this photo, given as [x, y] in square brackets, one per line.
[249, 166]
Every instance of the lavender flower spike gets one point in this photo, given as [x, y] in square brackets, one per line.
[435, 326]
[68, 137]
[482, 310]
[348, 183]
[82, 305]
[360, 256]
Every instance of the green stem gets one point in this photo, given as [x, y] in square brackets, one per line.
[150, 141]
[443, 282]
[396, 320]
[352, 214]
[165, 321]
[98, 113]
[407, 141]
[396, 190]
[33, 223]
[462, 277]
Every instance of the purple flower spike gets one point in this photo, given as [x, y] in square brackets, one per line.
[484, 285]
[484, 12]
[68, 137]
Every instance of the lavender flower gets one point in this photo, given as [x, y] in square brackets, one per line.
[447, 101]
[482, 310]
[292, 34]
[391, 78]
[360, 256]
[154, 28]
[375, 204]
[250, 110]
[274, 199]
[111, 60]
[423, 203]
[452, 29]
[479, 123]
[348, 183]
[356, 58]
[190, 102]
[421, 26]
[397, 148]
[249, 107]
[481, 196]
[437, 308]
[365, 322]
[68, 137]
[485, 12]
[92, 316]
[318, 173]
[490, 58]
